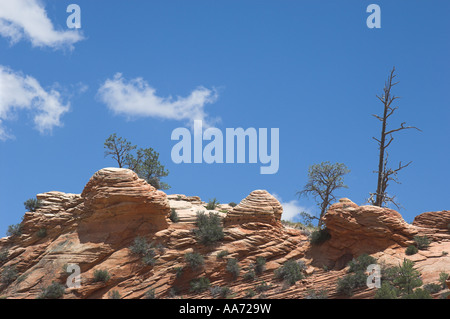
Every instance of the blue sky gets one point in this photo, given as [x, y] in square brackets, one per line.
[310, 68]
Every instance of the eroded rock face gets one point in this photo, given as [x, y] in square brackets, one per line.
[260, 206]
[366, 229]
[119, 204]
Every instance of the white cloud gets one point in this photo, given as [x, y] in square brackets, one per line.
[136, 98]
[28, 19]
[291, 209]
[23, 92]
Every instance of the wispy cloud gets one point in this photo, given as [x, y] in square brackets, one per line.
[136, 98]
[291, 209]
[23, 92]
[27, 19]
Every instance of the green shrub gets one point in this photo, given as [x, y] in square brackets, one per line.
[443, 276]
[114, 295]
[260, 265]
[422, 242]
[418, 294]
[222, 254]
[101, 275]
[212, 204]
[32, 204]
[233, 267]
[139, 246]
[361, 263]
[250, 293]
[319, 236]
[407, 278]
[3, 256]
[262, 286]
[199, 284]
[142, 248]
[150, 294]
[209, 228]
[347, 284]
[179, 271]
[290, 272]
[386, 291]
[14, 230]
[316, 294]
[411, 250]
[194, 260]
[221, 292]
[233, 204]
[8, 275]
[432, 288]
[174, 216]
[42, 233]
[250, 274]
[53, 291]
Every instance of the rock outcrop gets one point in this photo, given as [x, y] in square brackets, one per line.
[259, 206]
[95, 230]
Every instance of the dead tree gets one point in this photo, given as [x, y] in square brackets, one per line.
[386, 174]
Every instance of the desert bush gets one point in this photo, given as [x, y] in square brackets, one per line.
[262, 286]
[411, 250]
[209, 228]
[347, 284]
[432, 288]
[221, 254]
[142, 248]
[150, 294]
[199, 284]
[233, 267]
[260, 265]
[220, 292]
[179, 271]
[4, 253]
[443, 276]
[42, 233]
[361, 263]
[422, 242]
[101, 275]
[290, 272]
[250, 274]
[32, 204]
[194, 260]
[418, 293]
[53, 291]
[250, 293]
[8, 275]
[316, 294]
[407, 277]
[212, 204]
[233, 204]
[114, 295]
[174, 216]
[14, 230]
[386, 291]
[319, 236]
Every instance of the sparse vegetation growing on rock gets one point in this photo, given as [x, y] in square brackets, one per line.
[8, 275]
[260, 265]
[233, 267]
[4, 253]
[432, 288]
[14, 230]
[316, 294]
[101, 275]
[194, 260]
[319, 236]
[209, 228]
[150, 294]
[53, 291]
[443, 276]
[357, 277]
[200, 284]
[174, 216]
[212, 204]
[361, 263]
[114, 295]
[42, 233]
[233, 204]
[222, 254]
[411, 250]
[142, 248]
[290, 272]
[422, 242]
[32, 204]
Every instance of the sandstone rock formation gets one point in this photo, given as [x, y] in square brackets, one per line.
[95, 230]
[259, 206]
